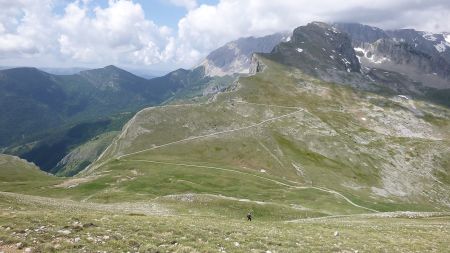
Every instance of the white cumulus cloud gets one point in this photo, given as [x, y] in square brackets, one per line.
[84, 33]
[25, 27]
[206, 27]
[188, 4]
[119, 32]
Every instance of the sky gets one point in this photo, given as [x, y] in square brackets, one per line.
[167, 34]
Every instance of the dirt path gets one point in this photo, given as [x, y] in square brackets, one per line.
[218, 133]
[398, 214]
[336, 193]
[261, 177]
[212, 134]
[125, 128]
[268, 105]
[73, 182]
[211, 167]
[113, 145]
[148, 208]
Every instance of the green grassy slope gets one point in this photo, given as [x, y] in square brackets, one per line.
[381, 152]
[18, 175]
[43, 117]
[83, 155]
[288, 148]
[62, 228]
[54, 144]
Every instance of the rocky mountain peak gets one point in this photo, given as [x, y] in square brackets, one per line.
[422, 56]
[111, 67]
[361, 33]
[235, 56]
[317, 47]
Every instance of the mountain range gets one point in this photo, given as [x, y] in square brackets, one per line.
[422, 56]
[309, 115]
[339, 134]
[93, 102]
[43, 116]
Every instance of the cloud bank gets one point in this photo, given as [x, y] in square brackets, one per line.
[84, 34]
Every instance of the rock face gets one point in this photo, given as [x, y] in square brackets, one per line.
[421, 56]
[235, 56]
[317, 48]
[361, 33]
[347, 53]
[405, 62]
[256, 65]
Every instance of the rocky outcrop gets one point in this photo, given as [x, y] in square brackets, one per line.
[317, 47]
[423, 57]
[256, 65]
[235, 57]
[361, 33]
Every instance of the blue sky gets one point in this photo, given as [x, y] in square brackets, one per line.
[162, 12]
[165, 13]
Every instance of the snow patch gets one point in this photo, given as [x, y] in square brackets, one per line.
[447, 38]
[346, 62]
[429, 36]
[378, 60]
[403, 96]
[370, 78]
[373, 57]
[399, 40]
[299, 50]
[441, 47]
[360, 49]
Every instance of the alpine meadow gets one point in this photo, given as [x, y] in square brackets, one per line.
[224, 126]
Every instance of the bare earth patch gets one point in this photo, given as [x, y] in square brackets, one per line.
[74, 182]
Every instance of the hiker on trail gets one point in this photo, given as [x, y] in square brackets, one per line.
[249, 216]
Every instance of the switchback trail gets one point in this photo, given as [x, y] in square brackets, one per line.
[260, 177]
[212, 134]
